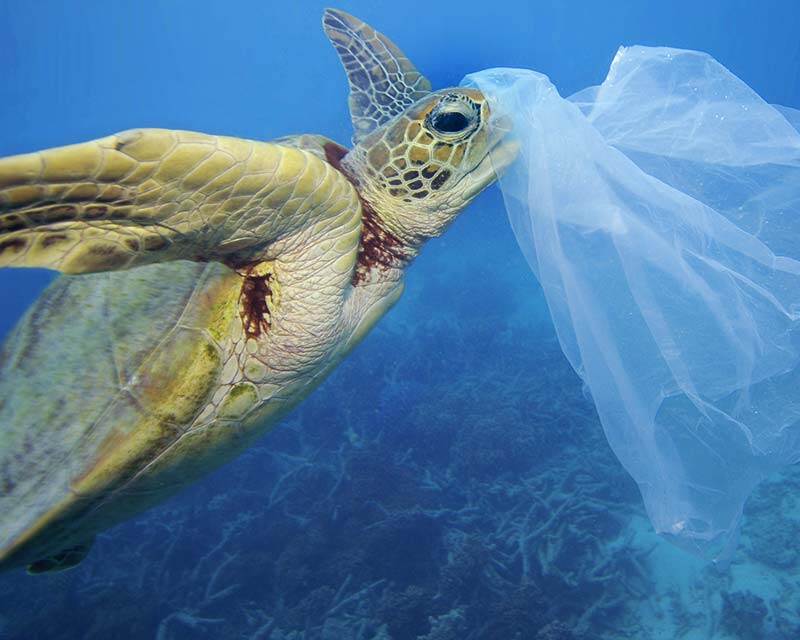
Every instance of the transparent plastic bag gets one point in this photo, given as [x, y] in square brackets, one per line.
[660, 212]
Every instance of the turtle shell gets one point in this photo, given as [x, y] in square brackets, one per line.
[96, 380]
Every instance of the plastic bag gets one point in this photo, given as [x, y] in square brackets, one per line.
[660, 212]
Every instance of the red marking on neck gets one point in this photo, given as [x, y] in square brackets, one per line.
[378, 246]
[253, 304]
[334, 154]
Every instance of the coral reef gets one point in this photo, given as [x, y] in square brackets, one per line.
[743, 615]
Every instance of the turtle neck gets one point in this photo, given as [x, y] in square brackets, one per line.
[380, 249]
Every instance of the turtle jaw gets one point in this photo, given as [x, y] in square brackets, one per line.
[490, 168]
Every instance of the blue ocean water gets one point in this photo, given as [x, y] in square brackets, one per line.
[450, 479]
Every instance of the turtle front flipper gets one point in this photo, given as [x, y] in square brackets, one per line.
[61, 561]
[153, 195]
[383, 82]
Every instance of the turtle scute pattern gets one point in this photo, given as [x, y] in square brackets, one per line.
[152, 195]
[107, 359]
[409, 161]
[383, 82]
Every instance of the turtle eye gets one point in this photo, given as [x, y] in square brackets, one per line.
[454, 117]
[450, 122]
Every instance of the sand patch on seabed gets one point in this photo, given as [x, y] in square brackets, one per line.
[687, 596]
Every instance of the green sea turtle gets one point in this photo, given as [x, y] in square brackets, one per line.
[228, 277]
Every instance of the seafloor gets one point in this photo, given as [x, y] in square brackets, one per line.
[449, 482]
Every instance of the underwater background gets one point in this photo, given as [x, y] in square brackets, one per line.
[450, 480]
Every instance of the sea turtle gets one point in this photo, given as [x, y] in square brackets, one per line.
[228, 277]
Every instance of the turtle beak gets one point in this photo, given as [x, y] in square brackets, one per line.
[504, 147]
[503, 150]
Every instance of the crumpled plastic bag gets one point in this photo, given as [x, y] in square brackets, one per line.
[660, 211]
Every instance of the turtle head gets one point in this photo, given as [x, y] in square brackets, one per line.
[420, 169]
[420, 157]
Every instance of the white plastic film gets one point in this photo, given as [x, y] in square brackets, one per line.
[660, 212]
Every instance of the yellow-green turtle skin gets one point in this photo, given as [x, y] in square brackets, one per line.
[214, 283]
[156, 376]
[153, 195]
